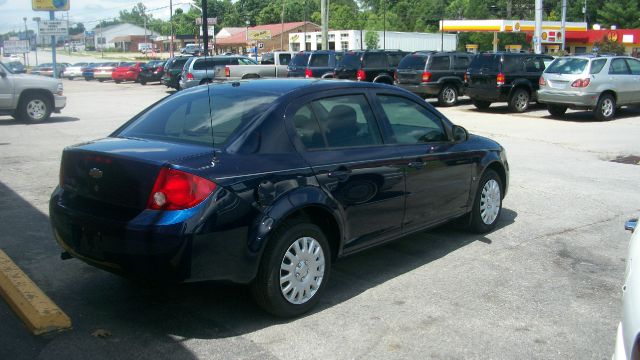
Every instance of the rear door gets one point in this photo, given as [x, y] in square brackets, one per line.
[622, 80]
[338, 135]
[374, 64]
[483, 71]
[533, 67]
[349, 65]
[460, 65]
[439, 67]
[6, 89]
[410, 69]
[437, 177]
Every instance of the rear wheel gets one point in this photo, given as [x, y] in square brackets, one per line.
[519, 101]
[488, 203]
[143, 82]
[70, 77]
[448, 96]
[556, 110]
[118, 81]
[294, 269]
[34, 108]
[605, 108]
[101, 80]
[482, 105]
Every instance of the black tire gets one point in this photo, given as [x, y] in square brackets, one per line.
[477, 224]
[556, 110]
[31, 105]
[118, 81]
[266, 286]
[519, 100]
[86, 78]
[101, 80]
[143, 82]
[602, 111]
[480, 104]
[448, 95]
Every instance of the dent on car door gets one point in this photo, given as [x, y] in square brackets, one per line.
[339, 137]
[437, 173]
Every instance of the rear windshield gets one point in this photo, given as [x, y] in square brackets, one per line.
[210, 63]
[319, 60]
[178, 63]
[300, 60]
[567, 66]
[487, 62]
[350, 60]
[413, 62]
[194, 117]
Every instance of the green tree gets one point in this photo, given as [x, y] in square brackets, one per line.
[607, 46]
[623, 13]
[371, 40]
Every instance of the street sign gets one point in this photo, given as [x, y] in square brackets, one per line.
[210, 31]
[260, 45]
[16, 46]
[53, 28]
[50, 5]
[89, 33]
[210, 21]
[259, 34]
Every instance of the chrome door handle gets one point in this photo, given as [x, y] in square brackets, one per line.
[416, 164]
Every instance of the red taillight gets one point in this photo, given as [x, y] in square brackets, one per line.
[178, 190]
[361, 75]
[132, 68]
[466, 79]
[189, 76]
[227, 71]
[580, 83]
[395, 76]
[308, 73]
[542, 81]
[500, 79]
[426, 76]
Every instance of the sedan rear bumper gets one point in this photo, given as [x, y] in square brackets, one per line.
[568, 98]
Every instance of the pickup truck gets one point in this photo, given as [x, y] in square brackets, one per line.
[29, 98]
[272, 65]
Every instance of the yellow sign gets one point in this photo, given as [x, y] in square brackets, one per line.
[50, 5]
[612, 36]
[259, 35]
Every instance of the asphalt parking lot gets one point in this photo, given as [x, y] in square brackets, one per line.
[546, 284]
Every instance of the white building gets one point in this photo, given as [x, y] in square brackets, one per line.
[105, 35]
[355, 39]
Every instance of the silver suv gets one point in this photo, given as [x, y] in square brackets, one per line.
[598, 83]
[200, 70]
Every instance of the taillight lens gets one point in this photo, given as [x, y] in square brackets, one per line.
[395, 76]
[542, 81]
[308, 73]
[361, 75]
[178, 190]
[500, 79]
[426, 76]
[189, 76]
[580, 83]
[227, 71]
[466, 78]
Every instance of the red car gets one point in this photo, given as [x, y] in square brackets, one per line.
[127, 72]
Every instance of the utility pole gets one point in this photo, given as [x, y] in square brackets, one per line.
[205, 28]
[537, 33]
[324, 20]
[37, 20]
[282, 27]
[171, 28]
[146, 49]
[563, 24]
[26, 36]
[52, 16]
[384, 24]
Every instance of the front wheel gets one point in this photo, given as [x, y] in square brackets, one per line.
[605, 108]
[34, 108]
[556, 110]
[118, 81]
[294, 270]
[448, 96]
[487, 204]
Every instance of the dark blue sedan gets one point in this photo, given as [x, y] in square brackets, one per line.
[267, 182]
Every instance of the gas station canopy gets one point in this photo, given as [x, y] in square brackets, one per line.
[507, 25]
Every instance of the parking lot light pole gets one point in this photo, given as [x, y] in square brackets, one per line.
[37, 20]
[52, 16]
[26, 36]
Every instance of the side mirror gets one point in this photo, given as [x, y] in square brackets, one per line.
[460, 134]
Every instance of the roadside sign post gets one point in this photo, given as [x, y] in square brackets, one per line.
[52, 6]
[52, 16]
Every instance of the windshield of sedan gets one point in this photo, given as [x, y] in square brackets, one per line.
[190, 117]
[567, 66]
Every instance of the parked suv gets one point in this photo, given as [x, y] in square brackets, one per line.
[198, 71]
[29, 98]
[369, 65]
[429, 73]
[318, 64]
[598, 83]
[505, 77]
[172, 70]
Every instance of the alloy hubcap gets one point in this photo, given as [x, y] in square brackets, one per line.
[449, 95]
[522, 101]
[36, 109]
[607, 107]
[490, 202]
[302, 270]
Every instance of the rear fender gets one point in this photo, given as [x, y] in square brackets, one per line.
[522, 83]
[383, 78]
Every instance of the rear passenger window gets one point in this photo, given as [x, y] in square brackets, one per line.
[512, 64]
[394, 60]
[634, 65]
[285, 59]
[410, 122]
[319, 60]
[597, 65]
[346, 121]
[533, 64]
[462, 63]
[440, 63]
[618, 67]
[375, 60]
[308, 129]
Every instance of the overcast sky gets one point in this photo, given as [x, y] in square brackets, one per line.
[86, 11]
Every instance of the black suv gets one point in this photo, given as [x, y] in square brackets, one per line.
[369, 65]
[316, 64]
[505, 77]
[430, 73]
[172, 71]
